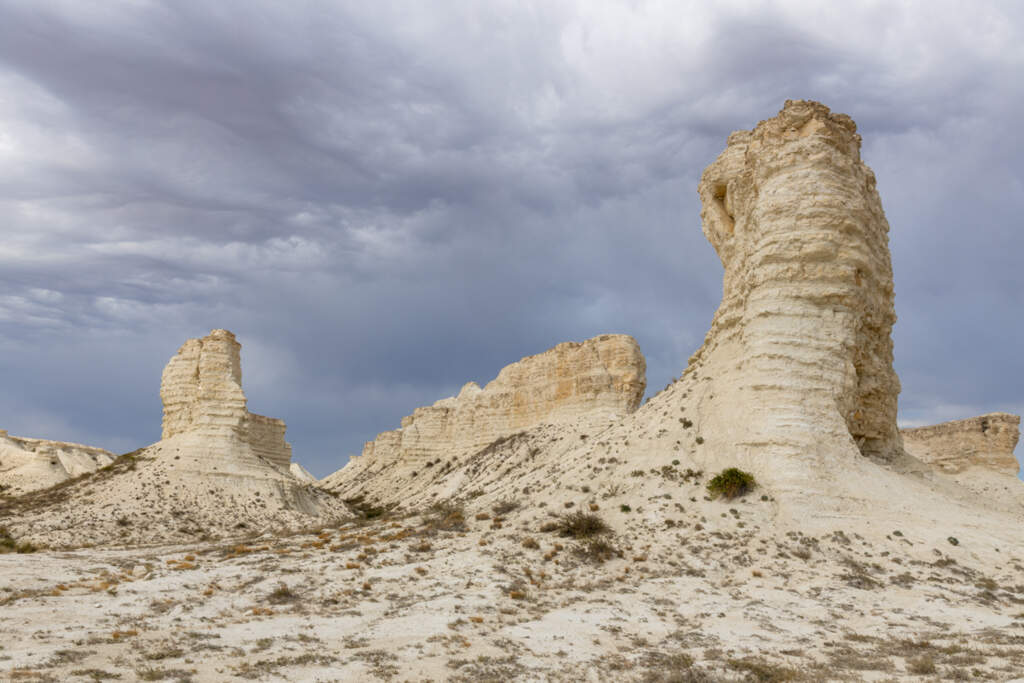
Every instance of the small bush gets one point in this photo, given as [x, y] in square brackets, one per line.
[504, 507]
[921, 666]
[582, 525]
[7, 544]
[625, 508]
[282, 594]
[447, 516]
[731, 483]
[596, 550]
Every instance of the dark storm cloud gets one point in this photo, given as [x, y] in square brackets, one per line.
[386, 201]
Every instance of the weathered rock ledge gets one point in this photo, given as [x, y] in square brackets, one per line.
[983, 441]
[603, 378]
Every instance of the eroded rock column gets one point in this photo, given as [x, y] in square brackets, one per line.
[798, 361]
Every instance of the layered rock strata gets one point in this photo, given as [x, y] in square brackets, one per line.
[984, 441]
[601, 378]
[30, 464]
[201, 389]
[797, 365]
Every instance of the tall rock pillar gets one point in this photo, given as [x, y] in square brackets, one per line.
[798, 361]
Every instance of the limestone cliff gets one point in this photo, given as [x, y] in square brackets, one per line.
[798, 362]
[984, 441]
[31, 464]
[201, 389]
[601, 378]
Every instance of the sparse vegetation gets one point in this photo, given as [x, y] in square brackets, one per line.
[504, 507]
[282, 594]
[921, 666]
[731, 483]
[596, 550]
[447, 516]
[9, 545]
[582, 525]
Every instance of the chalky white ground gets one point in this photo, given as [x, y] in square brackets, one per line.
[398, 599]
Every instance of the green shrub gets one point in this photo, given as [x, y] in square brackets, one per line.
[731, 483]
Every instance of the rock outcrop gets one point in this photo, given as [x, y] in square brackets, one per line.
[599, 379]
[797, 365]
[984, 441]
[32, 464]
[218, 471]
[201, 389]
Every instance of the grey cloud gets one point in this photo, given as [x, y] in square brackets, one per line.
[386, 201]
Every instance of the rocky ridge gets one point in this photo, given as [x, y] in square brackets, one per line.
[30, 464]
[596, 381]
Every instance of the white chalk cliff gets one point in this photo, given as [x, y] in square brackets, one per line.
[31, 464]
[598, 380]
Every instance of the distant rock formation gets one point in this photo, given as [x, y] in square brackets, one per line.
[602, 378]
[218, 471]
[798, 362]
[984, 441]
[32, 464]
[201, 389]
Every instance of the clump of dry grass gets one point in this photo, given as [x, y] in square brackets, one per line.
[581, 525]
[447, 516]
[9, 545]
[282, 594]
[596, 550]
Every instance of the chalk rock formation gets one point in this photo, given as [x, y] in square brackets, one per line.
[218, 471]
[797, 365]
[600, 379]
[202, 393]
[301, 473]
[984, 441]
[31, 464]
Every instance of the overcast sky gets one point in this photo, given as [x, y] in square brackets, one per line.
[387, 200]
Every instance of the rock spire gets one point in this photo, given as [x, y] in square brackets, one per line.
[798, 361]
